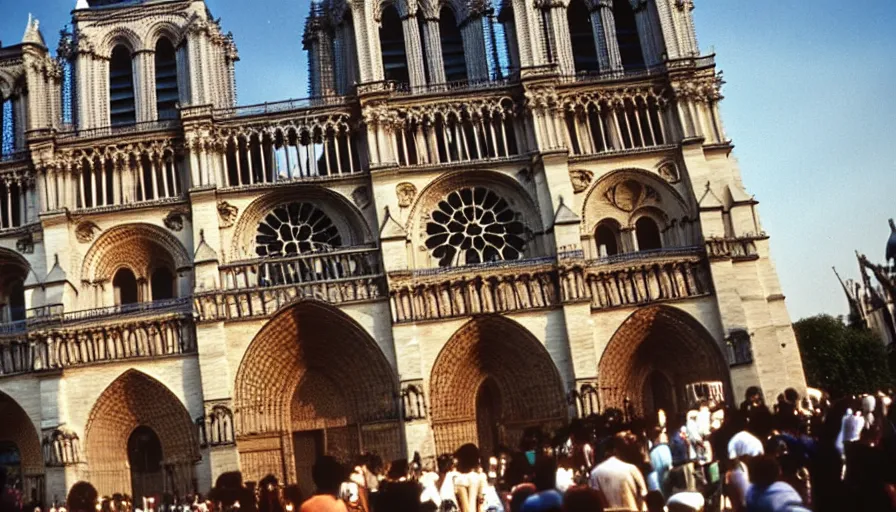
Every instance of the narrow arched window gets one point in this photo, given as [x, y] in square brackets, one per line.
[509, 50]
[125, 285]
[7, 127]
[167, 94]
[627, 35]
[606, 236]
[648, 234]
[17, 302]
[162, 284]
[122, 109]
[452, 46]
[395, 62]
[581, 36]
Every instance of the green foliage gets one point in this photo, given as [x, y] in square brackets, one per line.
[839, 359]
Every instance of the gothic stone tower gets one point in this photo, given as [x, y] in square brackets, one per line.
[487, 217]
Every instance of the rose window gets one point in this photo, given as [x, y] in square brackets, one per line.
[295, 228]
[474, 225]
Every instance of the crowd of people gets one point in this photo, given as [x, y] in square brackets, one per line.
[804, 453]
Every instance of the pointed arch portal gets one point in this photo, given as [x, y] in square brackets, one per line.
[490, 382]
[653, 357]
[140, 439]
[20, 449]
[313, 382]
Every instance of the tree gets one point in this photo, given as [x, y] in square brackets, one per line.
[839, 359]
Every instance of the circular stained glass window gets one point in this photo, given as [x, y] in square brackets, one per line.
[474, 225]
[295, 228]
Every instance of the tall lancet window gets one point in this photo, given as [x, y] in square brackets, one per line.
[395, 62]
[122, 109]
[452, 46]
[7, 127]
[167, 94]
[627, 35]
[581, 35]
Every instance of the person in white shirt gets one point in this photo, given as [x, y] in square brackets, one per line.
[621, 484]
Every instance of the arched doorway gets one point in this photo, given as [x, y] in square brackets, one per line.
[490, 382]
[145, 461]
[313, 382]
[652, 358]
[140, 438]
[20, 450]
[125, 285]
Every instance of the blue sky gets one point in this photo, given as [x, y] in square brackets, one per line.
[809, 102]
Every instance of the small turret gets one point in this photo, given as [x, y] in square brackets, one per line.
[32, 33]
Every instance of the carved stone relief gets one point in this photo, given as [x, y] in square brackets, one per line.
[227, 214]
[361, 197]
[413, 400]
[86, 231]
[580, 179]
[628, 195]
[175, 220]
[61, 447]
[25, 245]
[669, 172]
[406, 193]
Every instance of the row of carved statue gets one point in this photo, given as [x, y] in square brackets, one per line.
[637, 284]
[43, 350]
[470, 295]
[261, 301]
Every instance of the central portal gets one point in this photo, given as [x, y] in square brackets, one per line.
[313, 383]
[145, 460]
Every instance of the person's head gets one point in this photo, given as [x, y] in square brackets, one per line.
[398, 469]
[753, 394]
[445, 463]
[82, 498]
[792, 396]
[655, 502]
[583, 499]
[519, 496]
[328, 474]
[764, 470]
[467, 458]
[545, 473]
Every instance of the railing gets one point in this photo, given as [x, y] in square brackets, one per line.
[492, 265]
[304, 268]
[611, 75]
[279, 106]
[122, 129]
[19, 154]
[645, 255]
[52, 315]
[454, 86]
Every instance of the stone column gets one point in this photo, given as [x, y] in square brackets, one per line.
[560, 28]
[434, 58]
[645, 32]
[145, 85]
[608, 22]
[413, 50]
[474, 47]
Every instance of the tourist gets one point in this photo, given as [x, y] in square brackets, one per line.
[582, 499]
[660, 462]
[469, 483]
[546, 497]
[620, 483]
[328, 476]
[767, 492]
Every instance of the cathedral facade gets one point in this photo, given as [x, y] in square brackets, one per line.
[486, 217]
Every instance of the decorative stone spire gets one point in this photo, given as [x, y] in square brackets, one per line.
[32, 32]
[82, 4]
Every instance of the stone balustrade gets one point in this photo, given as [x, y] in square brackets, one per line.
[489, 288]
[634, 279]
[734, 248]
[258, 288]
[56, 343]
